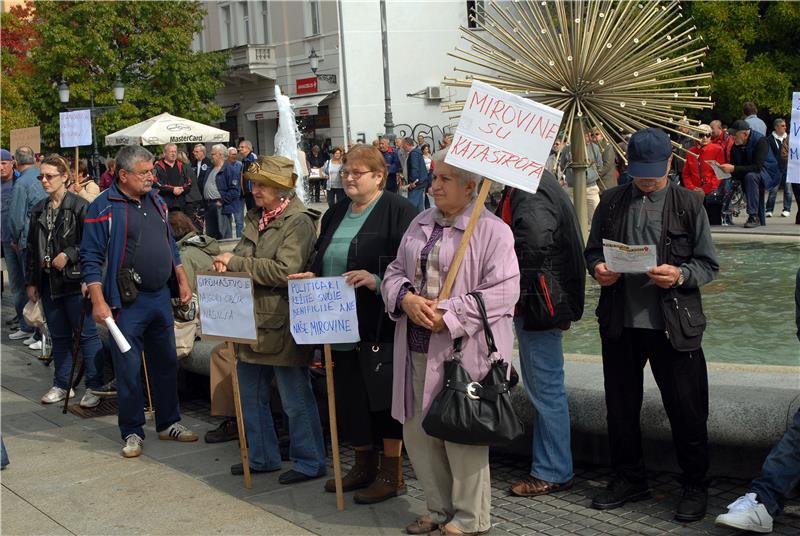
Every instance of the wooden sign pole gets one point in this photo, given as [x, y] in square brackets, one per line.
[486, 184]
[150, 414]
[76, 162]
[237, 402]
[337, 464]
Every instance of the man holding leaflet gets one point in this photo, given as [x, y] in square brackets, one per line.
[657, 316]
[142, 267]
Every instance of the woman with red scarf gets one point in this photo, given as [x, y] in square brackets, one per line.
[698, 175]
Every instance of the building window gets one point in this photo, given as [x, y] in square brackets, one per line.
[265, 22]
[313, 17]
[226, 33]
[246, 22]
[476, 9]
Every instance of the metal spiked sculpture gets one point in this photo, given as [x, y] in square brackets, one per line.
[616, 65]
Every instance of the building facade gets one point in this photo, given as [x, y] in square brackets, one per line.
[274, 43]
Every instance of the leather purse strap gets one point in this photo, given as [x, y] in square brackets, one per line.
[487, 330]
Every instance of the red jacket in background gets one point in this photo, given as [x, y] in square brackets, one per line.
[725, 141]
[697, 173]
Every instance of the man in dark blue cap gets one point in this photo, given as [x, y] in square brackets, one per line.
[655, 315]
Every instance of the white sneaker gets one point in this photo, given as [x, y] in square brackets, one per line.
[178, 432]
[30, 340]
[36, 345]
[785, 214]
[133, 446]
[19, 335]
[89, 400]
[746, 513]
[769, 214]
[56, 394]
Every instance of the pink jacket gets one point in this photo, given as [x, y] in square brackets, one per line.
[490, 266]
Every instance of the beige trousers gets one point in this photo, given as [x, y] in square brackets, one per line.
[592, 200]
[454, 477]
[221, 383]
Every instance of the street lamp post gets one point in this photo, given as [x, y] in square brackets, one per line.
[313, 61]
[94, 113]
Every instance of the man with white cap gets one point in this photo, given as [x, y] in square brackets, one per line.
[657, 316]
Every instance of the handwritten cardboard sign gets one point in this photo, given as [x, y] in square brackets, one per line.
[322, 311]
[226, 307]
[793, 169]
[504, 137]
[75, 128]
[30, 137]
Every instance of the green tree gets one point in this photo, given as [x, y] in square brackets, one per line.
[753, 53]
[18, 38]
[147, 44]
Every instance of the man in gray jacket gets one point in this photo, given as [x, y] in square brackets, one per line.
[26, 193]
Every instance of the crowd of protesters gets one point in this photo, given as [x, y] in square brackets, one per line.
[527, 260]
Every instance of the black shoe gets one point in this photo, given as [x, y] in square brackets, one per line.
[692, 506]
[752, 221]
[226, 431]
[109, 390]
[238, 469]
[12, 321]
[618, 492]
[294, 477]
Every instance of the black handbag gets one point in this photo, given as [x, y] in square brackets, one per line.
[470, 412]
[375, 360]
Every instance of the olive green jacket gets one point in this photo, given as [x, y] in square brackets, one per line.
[284, 247]
[197, 254]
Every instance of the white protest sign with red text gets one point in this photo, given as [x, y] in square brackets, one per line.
[504, 137]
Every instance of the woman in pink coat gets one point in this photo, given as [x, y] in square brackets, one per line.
[455, 477]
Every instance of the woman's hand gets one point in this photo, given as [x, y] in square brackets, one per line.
[33, 294]
[302, 275]
[438, 321]
[220, 263]
[60, 261]
[419, 310]
[360, 278]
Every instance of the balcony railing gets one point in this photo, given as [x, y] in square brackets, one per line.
[252, 62]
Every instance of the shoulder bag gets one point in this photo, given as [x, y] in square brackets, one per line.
[375, 360]
[474, 412]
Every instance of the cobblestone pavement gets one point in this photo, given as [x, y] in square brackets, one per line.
[307, 506]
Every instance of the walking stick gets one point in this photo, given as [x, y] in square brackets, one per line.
[337, 465]
[149, 413]
[237, 402]
[76, 347]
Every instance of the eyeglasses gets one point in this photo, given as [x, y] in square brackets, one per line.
[49, 176]
[705, 135]
[345, 173]
[140, 174]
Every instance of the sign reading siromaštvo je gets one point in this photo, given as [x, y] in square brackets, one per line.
[322, 310]
[504, 137]
[225, 306]
[793, 168]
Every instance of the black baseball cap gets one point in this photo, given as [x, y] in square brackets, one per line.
[649, 151]
[739, 124]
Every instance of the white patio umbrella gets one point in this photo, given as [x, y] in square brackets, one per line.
[167, 128]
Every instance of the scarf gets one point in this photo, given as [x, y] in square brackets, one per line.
[268, 216]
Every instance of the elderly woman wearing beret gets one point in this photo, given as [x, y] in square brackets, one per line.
[455, 477]
[278, 240]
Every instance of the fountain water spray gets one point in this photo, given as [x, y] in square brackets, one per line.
[287, 138]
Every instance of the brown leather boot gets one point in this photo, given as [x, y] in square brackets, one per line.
[361, 475]
[389, 482]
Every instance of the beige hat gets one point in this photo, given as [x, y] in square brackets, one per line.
[275, 171]
[704, 129]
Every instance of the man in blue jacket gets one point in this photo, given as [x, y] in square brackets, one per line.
[754, 164]
[417, 177]
[130, 263]
[26, 193]
[222, 194]
[392, 165]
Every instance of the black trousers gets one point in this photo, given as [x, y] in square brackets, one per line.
[360, 425]
[796, 192]
[683, 381]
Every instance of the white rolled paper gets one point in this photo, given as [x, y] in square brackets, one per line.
[119, 338]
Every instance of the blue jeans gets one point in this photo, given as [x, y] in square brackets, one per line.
[787, 195]
[541, 360]
[15, 262]
[218, 225]
[754, 192]
[148, 325]
[3, 454]
[417, 197]
[334, 196]
[238, 218]
[63, 319]
[306, 445]
[781, 470]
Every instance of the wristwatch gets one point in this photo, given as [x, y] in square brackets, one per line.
[681, 278]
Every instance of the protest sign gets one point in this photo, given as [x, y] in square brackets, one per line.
[75, 128]
[226, 307]
[504, 137]
[793, 169]
[322, 310]
[30, 137]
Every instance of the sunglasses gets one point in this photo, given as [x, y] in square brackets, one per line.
[705, 135]
[49, 176]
